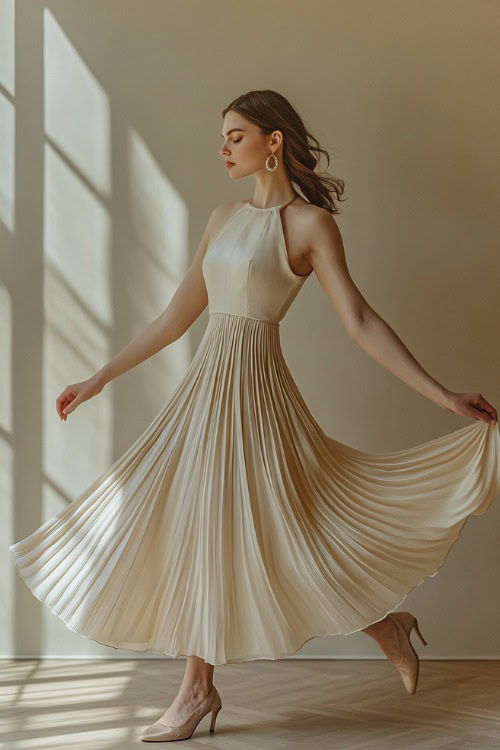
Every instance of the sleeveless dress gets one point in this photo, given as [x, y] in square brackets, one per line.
[234, 528]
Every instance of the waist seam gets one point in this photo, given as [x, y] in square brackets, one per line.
[247, 317]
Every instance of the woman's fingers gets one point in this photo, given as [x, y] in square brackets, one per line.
[71, 406]
[75, 394]
[473, 405]
[486, 407]
[64, 400]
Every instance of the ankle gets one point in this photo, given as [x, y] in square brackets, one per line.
[197, 689]
[378, 628]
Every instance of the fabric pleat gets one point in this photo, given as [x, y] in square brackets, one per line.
[234, 528]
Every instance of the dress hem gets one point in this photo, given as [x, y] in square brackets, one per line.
[250, 658]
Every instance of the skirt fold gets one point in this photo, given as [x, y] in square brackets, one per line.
[235, 529]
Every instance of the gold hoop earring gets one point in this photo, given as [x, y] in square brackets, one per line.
[271, 169]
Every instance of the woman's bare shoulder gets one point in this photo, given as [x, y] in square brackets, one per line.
[315, 222]
[311, 212]
[303, 220]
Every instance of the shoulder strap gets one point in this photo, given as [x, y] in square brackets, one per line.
[287, 204]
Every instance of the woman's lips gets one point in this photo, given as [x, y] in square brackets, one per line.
[229, 164]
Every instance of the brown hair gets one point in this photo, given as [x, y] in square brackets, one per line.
[301, 150]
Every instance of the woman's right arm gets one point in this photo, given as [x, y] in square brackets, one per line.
[188, 302]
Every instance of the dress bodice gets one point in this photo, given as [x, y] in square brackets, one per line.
[246, 267]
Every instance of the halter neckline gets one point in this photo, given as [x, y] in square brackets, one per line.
[272, 208]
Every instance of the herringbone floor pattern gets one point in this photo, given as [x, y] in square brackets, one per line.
[267, 705]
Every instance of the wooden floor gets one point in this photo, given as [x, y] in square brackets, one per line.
[334, 704]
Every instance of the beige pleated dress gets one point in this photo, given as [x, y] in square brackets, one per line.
[234, 528]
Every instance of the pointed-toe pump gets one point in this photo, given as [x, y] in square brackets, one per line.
[160, 732]
[408, 665]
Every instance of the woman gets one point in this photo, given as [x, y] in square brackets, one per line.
[234, 528]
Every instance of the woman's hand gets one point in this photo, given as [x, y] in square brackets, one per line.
[74, 395]
[471, 405]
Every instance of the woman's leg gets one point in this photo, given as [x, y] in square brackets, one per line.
[384, 632]
[195, 685]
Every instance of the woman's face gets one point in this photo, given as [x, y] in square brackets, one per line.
[244, 148]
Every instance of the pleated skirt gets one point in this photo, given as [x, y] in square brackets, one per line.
[235, 529]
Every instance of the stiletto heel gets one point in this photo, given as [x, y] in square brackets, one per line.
[419, 633]
[160, 732]
[409, 664]
[214, 717]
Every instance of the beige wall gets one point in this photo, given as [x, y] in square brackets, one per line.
[109, 168]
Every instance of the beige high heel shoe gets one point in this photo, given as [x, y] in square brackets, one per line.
[408, 665]
[160, 732]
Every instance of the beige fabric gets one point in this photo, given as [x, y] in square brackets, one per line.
[234, 528]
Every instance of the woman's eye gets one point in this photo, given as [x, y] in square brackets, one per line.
[236, 140]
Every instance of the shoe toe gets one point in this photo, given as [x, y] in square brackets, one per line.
[155, 730]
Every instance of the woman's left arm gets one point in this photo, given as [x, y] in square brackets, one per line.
[370, 331]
